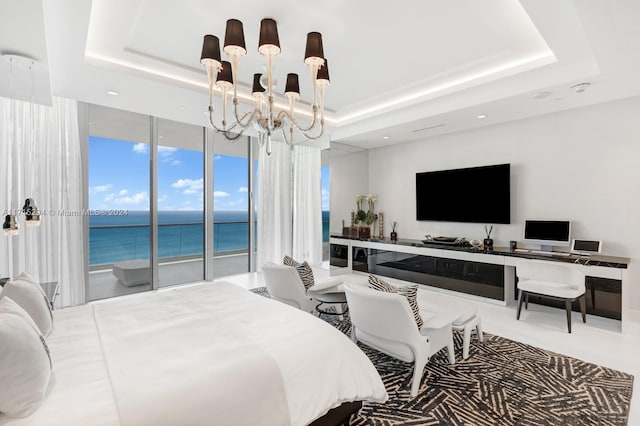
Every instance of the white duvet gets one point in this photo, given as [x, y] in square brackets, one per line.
[207, 354]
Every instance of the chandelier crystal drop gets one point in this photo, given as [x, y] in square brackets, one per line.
[265, 117]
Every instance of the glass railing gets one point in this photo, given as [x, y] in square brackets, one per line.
[109, 244]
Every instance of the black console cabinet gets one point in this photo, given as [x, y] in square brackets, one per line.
[479, 279]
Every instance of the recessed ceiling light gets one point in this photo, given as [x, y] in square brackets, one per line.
[481, 116]
[112, 93]
[581, 87]
[385, 137]
[160, 137]
[181, 107]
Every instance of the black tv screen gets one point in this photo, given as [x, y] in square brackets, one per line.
[475, 195]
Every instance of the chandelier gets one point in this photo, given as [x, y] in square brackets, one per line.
[265, 117]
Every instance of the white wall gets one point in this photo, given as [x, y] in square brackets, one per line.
[582, 165]
[349, 175]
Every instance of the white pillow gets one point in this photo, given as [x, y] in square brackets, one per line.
[25, 366]
[31, 298]
[25, 276]
[8, 306]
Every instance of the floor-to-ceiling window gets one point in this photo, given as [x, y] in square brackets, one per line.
[118, 156]
[180, 200]
[231, 203]
[325, 187]
[139, 166]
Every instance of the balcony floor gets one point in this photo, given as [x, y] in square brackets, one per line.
[103, 284]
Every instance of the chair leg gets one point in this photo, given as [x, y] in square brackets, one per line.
[593, 295]
[418, 369]
[450, 350]
[526, 302]
[479, 330]
[466, 341]
[583, 307]
[354, 339]
[567, 305]
[520, 300]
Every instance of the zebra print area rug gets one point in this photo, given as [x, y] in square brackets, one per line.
[501, 383]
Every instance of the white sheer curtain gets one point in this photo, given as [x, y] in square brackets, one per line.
[307, 205]
[40, 159]
[274, 204]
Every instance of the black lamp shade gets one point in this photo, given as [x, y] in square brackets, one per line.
[292, 86]
[257, 87]
[314, 46]
[210, 48]
[225, 73]
[323, 72]
[29, 207]
[268, 34]
[234, 35]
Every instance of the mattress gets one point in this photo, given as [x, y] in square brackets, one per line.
[210, 351]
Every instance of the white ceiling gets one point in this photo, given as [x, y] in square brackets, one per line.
[409, 72]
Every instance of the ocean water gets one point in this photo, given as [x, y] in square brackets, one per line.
[122, 235]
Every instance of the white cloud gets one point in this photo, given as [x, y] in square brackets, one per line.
[100, 188]
[166, 151]
[243, 189]
[134, 199]
[217, 157]
[220, 194]
[141, 148]
[176, 162]
[110, 197]
[189, 186]
[122, 192]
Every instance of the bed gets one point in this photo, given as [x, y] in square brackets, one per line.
[211, 353]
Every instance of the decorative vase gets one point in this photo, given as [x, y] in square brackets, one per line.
[488, 243]
[381, 225]
[394, 236]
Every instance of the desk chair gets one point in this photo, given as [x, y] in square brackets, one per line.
[558, 281]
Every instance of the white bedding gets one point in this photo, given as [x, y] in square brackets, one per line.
[205, 354]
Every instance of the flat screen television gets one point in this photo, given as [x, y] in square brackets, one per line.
[547, 232]
[475, 195]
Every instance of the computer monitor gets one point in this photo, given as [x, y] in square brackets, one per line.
[547, 233]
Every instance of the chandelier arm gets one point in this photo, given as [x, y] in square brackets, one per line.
[319, 135]
[235, 136]
[295, 124]
[224, 128]
[211, 120]
[284, 136]
[239, 119]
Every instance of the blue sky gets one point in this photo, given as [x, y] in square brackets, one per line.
[119, 178]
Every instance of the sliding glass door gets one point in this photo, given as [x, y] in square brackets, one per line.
[118, 215]
[180, 203]
[231, 200]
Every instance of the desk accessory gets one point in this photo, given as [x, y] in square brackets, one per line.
[394, 234]
[488, 242]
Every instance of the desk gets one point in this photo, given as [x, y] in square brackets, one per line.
[486, 274]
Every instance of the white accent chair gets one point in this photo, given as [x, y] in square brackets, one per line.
[284, 284]
[554, 281]
[385, 322]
